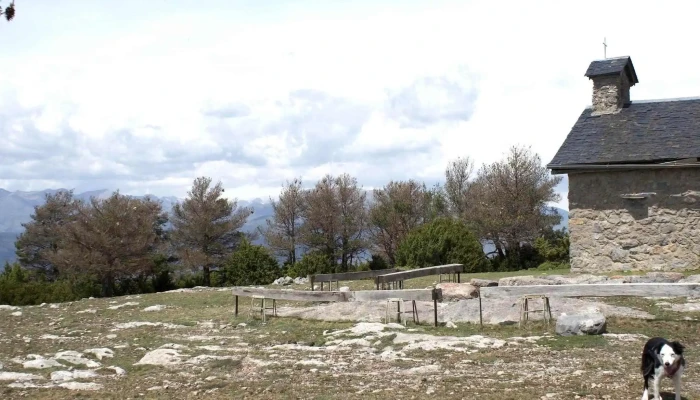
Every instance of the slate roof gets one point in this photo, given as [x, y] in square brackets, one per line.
[642, 132]
[613, 66]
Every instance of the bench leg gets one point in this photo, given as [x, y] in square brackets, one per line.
[386, 313]
[526, 307]
[435, 312]
[415, 312]
[522, 312]
[398, 311]
[263, 310]
[405, 319]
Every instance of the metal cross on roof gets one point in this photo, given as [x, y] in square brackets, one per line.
[605, 49]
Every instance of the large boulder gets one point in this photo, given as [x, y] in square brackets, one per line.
[285, 280]
[301, 281]
[581, 324]
[458, 291]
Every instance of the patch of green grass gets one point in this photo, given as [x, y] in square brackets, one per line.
[573, 342]
[530, 328]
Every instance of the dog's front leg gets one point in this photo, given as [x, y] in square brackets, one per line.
[677, 386]
[657, 384]
[645, 394]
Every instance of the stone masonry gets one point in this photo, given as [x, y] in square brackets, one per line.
[658, 233]
[610, 93]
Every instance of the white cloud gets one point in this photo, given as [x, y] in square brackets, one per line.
[145, 97]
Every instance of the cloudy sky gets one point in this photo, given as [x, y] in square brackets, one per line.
[143, 96]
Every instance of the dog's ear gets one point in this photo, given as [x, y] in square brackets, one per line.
[677, 347]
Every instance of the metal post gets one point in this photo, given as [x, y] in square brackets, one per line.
[236, 307]
[435, 311]
[435, 297]
[481, 318]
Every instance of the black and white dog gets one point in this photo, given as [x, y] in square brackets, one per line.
[661, 358]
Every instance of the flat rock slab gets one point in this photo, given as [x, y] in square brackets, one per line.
[524, 281]
[581, 324]
[365, 311]
[650, 277]
[654, 277]
[527, 280]
[458, 291]
[506, 310]
[690, 279]
[483, 282]
[495, 311]
[162, 356]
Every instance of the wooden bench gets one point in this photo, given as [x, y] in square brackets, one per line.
[346, 276]
[591, 290]
[395, 280]
[262, 308]
[400, 310]
[525, 310]
[413, 295]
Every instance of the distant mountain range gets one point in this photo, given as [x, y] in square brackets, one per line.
[17, 207]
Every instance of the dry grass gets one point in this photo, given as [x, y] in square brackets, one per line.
[310, 365]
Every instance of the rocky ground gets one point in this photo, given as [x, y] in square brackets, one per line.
[187, 344]
[461, 305]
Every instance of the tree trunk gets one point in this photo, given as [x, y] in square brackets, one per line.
[344, 255]
[107, 286]
[294, 252]
[206, 275]
[499, 250]
[344, 262]
[332, 261]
